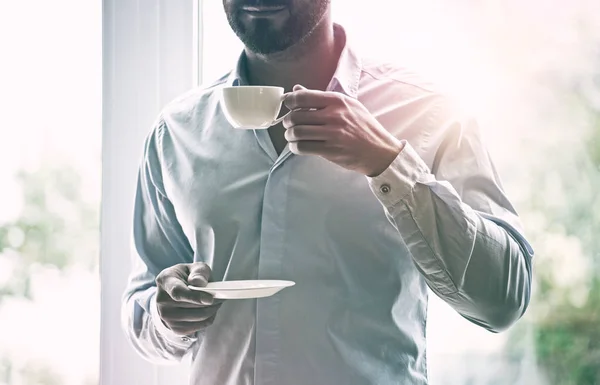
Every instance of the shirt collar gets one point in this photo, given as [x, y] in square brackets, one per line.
[345, 79]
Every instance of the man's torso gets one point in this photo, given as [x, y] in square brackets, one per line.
[357, 312]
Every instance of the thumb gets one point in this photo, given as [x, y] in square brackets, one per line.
[298, 87]
[199, 274]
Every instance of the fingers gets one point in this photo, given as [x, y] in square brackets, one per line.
[186, 328]
[304, 98]
[307, 147]
[299, 87]
[305, 117]
[172, 314]
[199, 274]
[178, 291]
[183, 310]
[172, 284]
[163, 299]
[314, 133]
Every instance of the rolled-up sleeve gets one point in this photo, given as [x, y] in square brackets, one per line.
[464, 235]
[158, 242]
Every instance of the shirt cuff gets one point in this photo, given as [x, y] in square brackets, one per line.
[165, 332]
[399, 179]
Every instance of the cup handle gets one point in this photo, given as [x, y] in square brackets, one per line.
[279, 120]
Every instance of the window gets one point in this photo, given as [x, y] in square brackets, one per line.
[150, 55]
[50, 103]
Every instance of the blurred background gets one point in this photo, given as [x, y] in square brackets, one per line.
[529, 71]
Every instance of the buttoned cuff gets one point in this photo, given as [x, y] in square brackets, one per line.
[165, 332]
[399, 179]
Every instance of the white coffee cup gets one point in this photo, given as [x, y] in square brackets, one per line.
[252, 107]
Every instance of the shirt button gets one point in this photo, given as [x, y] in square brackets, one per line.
[385, 188]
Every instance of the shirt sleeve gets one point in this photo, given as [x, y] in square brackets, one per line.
[158, 243]
[464, 235]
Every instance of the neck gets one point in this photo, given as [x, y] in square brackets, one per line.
[310, 63]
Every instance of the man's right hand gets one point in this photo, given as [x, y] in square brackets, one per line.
[182, 310]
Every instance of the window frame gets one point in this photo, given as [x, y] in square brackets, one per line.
[152, 52]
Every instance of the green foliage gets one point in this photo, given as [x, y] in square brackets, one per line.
[568, 341]
[40, 375]
[56, 225]
[566, 331]
[593, 143]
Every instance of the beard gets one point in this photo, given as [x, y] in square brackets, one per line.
[270, 35]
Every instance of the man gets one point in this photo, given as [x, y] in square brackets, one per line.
[372, 189]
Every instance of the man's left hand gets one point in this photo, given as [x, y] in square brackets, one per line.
[340, 129]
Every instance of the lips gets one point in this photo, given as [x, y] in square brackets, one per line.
[263, 8]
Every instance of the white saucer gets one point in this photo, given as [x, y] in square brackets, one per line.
[243, 289]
